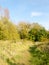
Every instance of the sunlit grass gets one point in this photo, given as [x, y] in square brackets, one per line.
[14, 53]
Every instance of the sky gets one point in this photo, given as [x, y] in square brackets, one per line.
[28, 10]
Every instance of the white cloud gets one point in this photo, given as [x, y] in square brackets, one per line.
[33, 14]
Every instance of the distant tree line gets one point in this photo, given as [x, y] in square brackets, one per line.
[33, 32]
[9, 31]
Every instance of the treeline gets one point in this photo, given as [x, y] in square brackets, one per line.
[33, 32]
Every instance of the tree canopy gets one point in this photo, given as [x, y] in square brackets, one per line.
[33, 32]
[8, 31]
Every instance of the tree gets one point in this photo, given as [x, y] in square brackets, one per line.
[37, 33]
[23, 29]
[8, 30]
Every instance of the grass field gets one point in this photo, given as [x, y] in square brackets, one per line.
[18, 53]
[14, 53]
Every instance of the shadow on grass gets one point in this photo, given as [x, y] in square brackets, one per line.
[13, 63]
[10, 62]
[39, 57]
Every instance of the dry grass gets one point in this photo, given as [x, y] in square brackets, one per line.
[15, 52]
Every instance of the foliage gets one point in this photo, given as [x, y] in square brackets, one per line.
[33, 32]
[8, 31]
[23, 29]
[40, 54]
[37, 34]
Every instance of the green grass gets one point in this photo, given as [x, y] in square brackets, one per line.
[40, 54]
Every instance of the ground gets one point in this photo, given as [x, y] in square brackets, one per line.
[24, 52]
[15, 53]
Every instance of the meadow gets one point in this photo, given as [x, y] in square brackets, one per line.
[24, 52]
[14, 53]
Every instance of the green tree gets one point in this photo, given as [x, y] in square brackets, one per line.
[37, 33]
[23, 29]
[8, 31]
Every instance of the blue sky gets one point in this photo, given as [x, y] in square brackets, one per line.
[28, 10]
